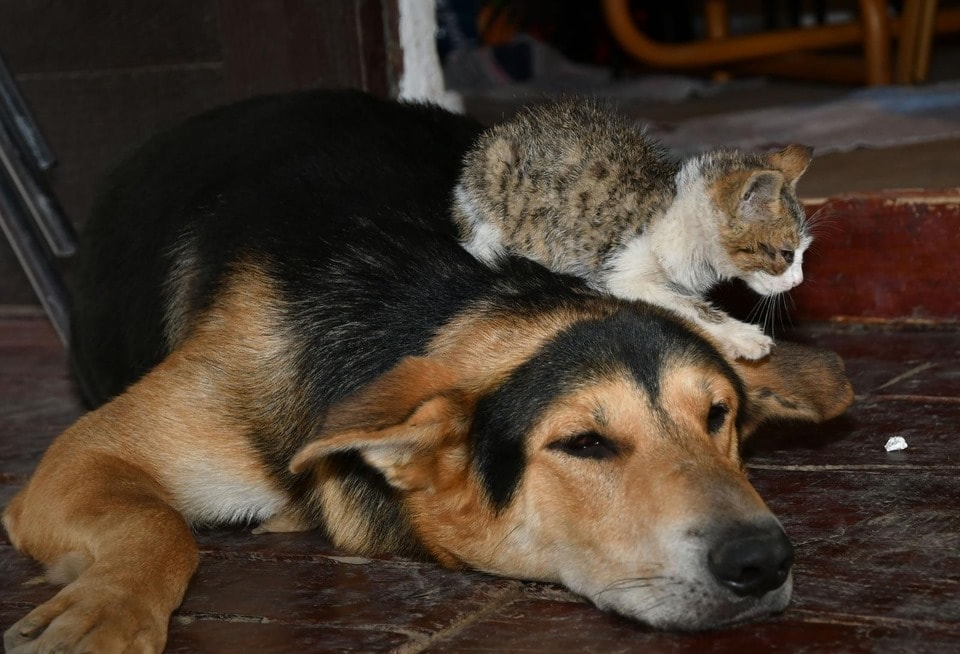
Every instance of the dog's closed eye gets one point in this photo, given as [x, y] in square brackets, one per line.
[717, 417]
[587, 445]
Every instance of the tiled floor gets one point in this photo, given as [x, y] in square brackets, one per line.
[877, 534]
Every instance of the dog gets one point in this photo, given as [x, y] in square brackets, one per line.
[277, 327]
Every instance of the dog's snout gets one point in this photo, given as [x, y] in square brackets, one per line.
[751, 560]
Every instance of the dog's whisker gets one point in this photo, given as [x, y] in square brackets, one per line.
[615, 585]
[632, 583]
[657, 603]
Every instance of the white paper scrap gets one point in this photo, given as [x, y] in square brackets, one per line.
[896, 443]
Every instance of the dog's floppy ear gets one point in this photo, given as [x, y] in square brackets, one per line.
[794, 383]
[395, 422]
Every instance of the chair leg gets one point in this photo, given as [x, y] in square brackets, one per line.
[876, 41]
[928, 22]
[713, 52]
[718, 27]
[909, 31]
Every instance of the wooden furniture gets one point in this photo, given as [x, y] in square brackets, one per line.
[102, 76]
[791, 51]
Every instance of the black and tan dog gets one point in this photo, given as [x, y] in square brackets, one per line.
[274, 299]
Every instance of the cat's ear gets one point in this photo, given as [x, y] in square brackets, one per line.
[758, 193]
[792, 161]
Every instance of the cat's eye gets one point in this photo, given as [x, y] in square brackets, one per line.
[586, 445]
[787, 255]
[717, 417]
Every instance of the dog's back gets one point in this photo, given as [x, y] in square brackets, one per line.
[280, 175]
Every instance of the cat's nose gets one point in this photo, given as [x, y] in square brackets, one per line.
[787, 255]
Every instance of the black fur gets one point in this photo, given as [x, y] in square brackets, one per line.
[285, 176]
[342, 199]
[636, 339]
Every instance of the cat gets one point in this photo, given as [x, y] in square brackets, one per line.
[582, 190]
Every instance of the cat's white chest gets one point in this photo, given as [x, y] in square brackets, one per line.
[634, 270]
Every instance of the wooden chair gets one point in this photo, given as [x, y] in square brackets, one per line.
[791, 51]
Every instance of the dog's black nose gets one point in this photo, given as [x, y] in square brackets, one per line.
[751, 560]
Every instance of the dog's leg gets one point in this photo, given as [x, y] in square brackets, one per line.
[118, 491]
[131, 552]
[795, 382]
[282, 523]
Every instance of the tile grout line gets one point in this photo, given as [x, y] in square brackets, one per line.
[944, 399]
[852, 619]
[495, 603]
[868, 467]
[906, 375]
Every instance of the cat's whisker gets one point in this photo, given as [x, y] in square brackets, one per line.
[826, 211]
[793, 307]
[787, 305]
[769, 326]
[823, 229]
[779, 312]
[755, 311]
[767, 323]
[774, 313]
[823, 220]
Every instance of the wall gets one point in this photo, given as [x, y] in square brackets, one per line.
[101, 75]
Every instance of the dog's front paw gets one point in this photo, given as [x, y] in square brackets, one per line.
[743, 341]
[86, 618]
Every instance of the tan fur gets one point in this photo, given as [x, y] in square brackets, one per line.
[666, 478]
[119, 486]
[112, 491]
[687, 396]
[801, 383]
[672, 475]
[482, 348]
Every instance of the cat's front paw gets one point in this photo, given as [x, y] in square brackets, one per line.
[741, 340]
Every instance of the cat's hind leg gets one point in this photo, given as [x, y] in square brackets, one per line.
[478, 234]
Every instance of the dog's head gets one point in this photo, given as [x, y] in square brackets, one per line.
[602, 453]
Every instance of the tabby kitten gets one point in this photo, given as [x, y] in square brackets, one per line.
[582, 191]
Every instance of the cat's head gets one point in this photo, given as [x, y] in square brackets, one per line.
[763, 227]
